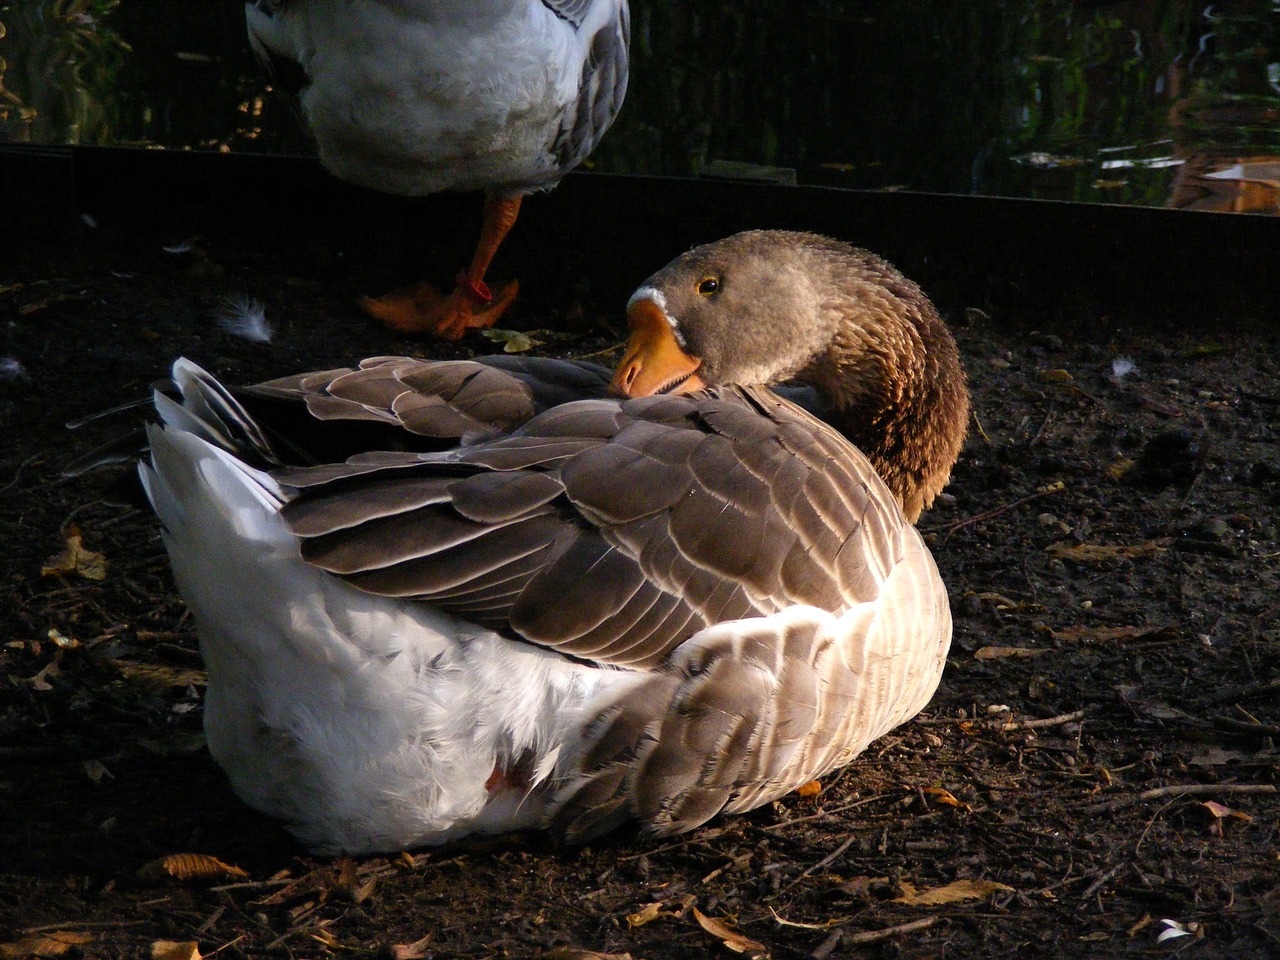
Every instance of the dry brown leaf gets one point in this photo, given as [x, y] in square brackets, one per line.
[174, 950]
[349, 884]
[1097, 552]
[999, 599]
[825, 925]
[1221, 813]
[40, 681]
[1054, 376]
[159, 677]
[998, 653]
[810, 789]
[51, 943]
[190, 866]
[1121, 467]
[946, 798]
[323, 936]
[410, 951]
[729, 937]
[646, 914]
[75, 558]
[574, 953]
[956, 892]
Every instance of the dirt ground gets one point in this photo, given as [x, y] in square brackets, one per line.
[1098, 768]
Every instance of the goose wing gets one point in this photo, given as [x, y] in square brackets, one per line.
[610, 531]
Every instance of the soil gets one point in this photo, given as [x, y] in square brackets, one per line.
[1099, 764]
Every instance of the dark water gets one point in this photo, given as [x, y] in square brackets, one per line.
[1134, 102]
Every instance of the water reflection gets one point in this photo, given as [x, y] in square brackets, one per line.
[1151, 102]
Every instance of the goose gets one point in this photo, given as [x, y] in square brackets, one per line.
[438, 599]
[415, 97]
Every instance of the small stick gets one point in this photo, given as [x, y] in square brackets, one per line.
[72, 924]
[1243, 726]
[826, 860]
[1097, 884]
[871, 936]
[1004, 508]
[821, 863]
[1246, 692]
[1057, 721]
[600, 353]
[1184, 790]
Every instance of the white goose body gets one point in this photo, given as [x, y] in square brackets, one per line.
[535, 613]
[418, 96]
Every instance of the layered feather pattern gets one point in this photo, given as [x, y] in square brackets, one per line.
[445, 598]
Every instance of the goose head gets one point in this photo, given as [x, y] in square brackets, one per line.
[767, 306]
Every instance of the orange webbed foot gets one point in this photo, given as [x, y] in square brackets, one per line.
[422, 308]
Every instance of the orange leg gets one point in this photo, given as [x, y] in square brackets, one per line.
[421, 308]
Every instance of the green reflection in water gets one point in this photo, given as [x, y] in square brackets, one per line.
[1126, 102]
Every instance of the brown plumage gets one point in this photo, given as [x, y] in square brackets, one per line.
[731, 596]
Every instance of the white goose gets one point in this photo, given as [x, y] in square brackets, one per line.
[419, 96]
[445, 598]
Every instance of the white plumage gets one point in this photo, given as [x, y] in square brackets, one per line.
[418, 96]
[501, 610]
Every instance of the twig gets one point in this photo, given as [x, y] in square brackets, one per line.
[1183, 790]
[18, 473]
[824, 949]
[1059, 720]
[828, 859]
[254, 884]
[872, 936]
[72, 924]
[1243, 726]
[1246, 692]
[821, 863]
[1097, 884]
[951, 528]
[600, 353]
[826, 812]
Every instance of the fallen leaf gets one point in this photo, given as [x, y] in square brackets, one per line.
[646, 914]
[349, 884]
[1097, 553]
[96, 770]
[956, 892]
[513, 341]
[825, 925]
[1212, 756]
[61, 642]
[1174, 929]
[1146, 920]
[1000, 600]
[1121, 467]
[573, 953]
[53, 943]
[1221, 813]
[40, 682]
[173, 950]
[810, 789]
[1054, 376]
[946, 798]
[410, 951]
[729, 937]
[74, 558]
[190, 866]
[323, 936]
[158, 676]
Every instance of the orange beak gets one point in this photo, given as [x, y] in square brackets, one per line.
[654, 361]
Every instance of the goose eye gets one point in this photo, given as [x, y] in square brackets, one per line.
[709, 286]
